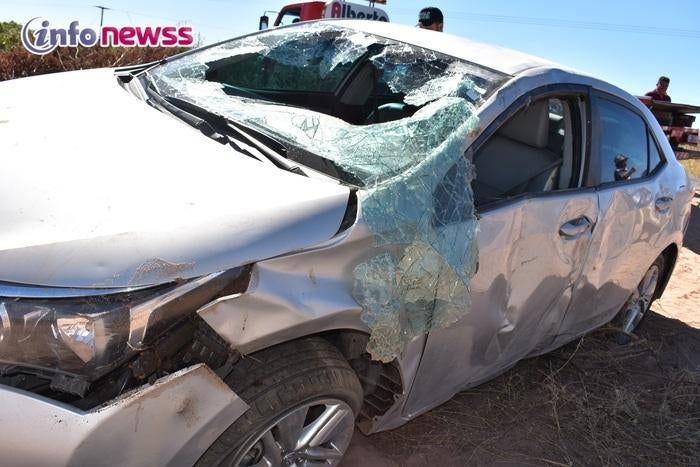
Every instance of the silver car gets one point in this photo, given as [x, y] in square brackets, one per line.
[236, 255]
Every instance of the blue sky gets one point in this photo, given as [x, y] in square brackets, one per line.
[627, 43]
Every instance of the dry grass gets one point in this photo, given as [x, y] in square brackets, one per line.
[627, 407]
[692, 166]
[590, 403]
[687, 152]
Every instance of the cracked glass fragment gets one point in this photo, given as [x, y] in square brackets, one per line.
[400, 136]
[428, 212]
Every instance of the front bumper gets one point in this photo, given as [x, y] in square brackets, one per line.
[171, 422]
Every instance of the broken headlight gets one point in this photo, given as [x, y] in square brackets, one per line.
[76, 336]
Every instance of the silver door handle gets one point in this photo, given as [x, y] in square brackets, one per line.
[576, 227]
[663, 204]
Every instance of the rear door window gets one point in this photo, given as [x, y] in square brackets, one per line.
[655, 157]
[623, 143]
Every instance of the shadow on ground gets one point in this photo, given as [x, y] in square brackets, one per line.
[692, 235]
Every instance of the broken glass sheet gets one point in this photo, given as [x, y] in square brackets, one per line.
[278, 59]
[424, 75]
[428, 213]
[415, 194]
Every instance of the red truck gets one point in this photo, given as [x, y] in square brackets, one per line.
[677, 121]
[309, 10]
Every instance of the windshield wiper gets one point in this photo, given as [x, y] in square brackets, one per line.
[223, 123]
[237, 134]
[219, 128]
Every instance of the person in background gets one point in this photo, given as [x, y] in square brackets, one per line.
[659, 94]
[430, 18]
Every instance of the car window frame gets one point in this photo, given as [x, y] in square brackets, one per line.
[651, 138]
[581, 126]
[593, 178]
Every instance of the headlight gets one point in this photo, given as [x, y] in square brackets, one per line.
[79, 335]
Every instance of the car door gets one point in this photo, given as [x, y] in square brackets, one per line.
[535, 231]
[635, 221]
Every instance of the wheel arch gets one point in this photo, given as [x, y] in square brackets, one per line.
[670, 255]
[383, 384]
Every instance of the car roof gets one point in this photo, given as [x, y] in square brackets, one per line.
[528, 71]
[497, 58]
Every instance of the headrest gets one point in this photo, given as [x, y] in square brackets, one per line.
[360, 87]
[530, 126]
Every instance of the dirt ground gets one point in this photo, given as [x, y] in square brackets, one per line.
[591, 402]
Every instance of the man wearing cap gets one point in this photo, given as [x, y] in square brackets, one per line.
[430, 18]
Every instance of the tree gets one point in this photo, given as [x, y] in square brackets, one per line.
[9, 34]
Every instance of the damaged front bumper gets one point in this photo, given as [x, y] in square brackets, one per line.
[171, 422]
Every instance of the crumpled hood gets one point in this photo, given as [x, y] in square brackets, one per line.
[99, 189]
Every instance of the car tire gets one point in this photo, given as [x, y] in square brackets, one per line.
[293, 389]
[637, 305]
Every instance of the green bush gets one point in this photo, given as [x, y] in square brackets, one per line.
[9, 34]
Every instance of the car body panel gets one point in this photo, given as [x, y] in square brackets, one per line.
[174, 205]
[295, 295]
[632, 233]
[304, 293]
[519, 295]
[171, 422]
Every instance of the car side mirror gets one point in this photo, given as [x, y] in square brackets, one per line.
[264, 23]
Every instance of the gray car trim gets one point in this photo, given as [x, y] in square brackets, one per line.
[14, 290]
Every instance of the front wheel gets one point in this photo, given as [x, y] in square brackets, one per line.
[639, 302]
[303, 399]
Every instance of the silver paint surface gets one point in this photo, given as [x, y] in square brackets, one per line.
[171, 422]
[165, 203]
[520, 295]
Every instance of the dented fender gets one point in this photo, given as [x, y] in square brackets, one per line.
[294, 295]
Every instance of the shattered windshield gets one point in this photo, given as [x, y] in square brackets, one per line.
[334, 97]
[391, 118]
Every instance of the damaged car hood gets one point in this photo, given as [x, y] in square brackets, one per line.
[99, 190]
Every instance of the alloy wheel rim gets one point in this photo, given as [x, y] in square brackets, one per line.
[313, 434]
[640, 300]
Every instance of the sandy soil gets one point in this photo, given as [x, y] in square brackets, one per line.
[681, 300]
[591, 402]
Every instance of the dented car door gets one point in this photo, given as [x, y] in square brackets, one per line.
[636, 195]
[520, 294]
[532, 248]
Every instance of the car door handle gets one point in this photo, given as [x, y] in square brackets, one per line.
[663, 204]
[575, 227]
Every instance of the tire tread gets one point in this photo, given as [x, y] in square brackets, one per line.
[281, 377]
